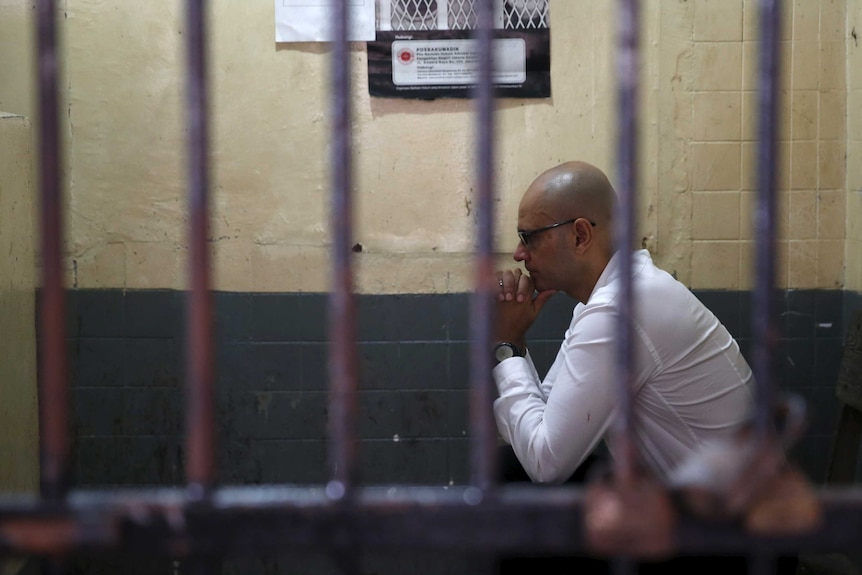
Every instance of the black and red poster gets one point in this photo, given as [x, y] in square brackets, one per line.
[426, 50]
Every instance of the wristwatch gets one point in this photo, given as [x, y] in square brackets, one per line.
[505, 350]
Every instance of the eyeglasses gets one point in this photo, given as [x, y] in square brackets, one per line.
[527, 235]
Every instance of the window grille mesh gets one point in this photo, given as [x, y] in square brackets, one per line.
[414, 14]
[461, 14]
[525, 14]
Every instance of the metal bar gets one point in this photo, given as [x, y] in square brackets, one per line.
[499, 15]
[342, 315]
[483, 432]
[246, 520]
[765, 327]
[443, 15]
[384, 14]
[54, 385]
[200, 432]
[627, 75]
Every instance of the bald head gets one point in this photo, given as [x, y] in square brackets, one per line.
[574, 189]
[567, 258]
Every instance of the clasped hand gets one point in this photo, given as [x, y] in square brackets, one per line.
[518, 305]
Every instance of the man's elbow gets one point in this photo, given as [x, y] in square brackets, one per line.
[547, 474]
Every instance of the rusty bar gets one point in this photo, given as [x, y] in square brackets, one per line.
[342, 314]
[765, 329]
[53, 383]
[483, 432]
[200, 433]
[248, 520]
[627, 78]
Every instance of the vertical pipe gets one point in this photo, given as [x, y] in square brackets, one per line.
[54, 387]
[765, 328]
[200, 468]
[482, 429]
[627, 74]
[342, 320]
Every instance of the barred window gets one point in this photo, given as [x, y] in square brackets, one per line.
[521, 14]
[459, 14]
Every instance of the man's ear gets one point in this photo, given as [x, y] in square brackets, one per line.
[583, 232]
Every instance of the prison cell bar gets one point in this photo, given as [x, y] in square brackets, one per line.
[343, 378]
[342, 316]
[764, 325]
[253, 520]
[259, 518]
[627, 103]
[54, 387]
[482, 428]
[200, 407]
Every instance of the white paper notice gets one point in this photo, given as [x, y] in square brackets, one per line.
[311, 20]
[455, 62]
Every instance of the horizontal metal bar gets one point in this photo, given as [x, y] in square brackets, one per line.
[245, 520]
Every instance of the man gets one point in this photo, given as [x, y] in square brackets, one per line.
[691, 383]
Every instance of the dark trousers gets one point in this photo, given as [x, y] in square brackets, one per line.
[511, 471]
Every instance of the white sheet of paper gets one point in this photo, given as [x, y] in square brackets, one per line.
[311, 20]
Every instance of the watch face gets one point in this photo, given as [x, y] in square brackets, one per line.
[503, 351]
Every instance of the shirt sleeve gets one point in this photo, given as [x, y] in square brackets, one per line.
[552, 436]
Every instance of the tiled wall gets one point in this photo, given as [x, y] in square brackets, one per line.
[127, 365]
[271, 382]
[711, 158]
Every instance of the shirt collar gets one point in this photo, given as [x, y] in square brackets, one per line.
[612, 270]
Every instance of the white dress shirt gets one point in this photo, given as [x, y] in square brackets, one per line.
[691, 383]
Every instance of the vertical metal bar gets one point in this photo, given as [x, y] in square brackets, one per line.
[342, 315]
[200, 439]
[443, 15]
[765, 327]
[384, 14]
[499, 14]
[54, 385]
[482, 429]
[627, 74]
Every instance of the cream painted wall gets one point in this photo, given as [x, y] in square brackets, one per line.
[708, 150]
[19, 424]
[854, 146]
[414, 159]
[19, 427]
[16, 65]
